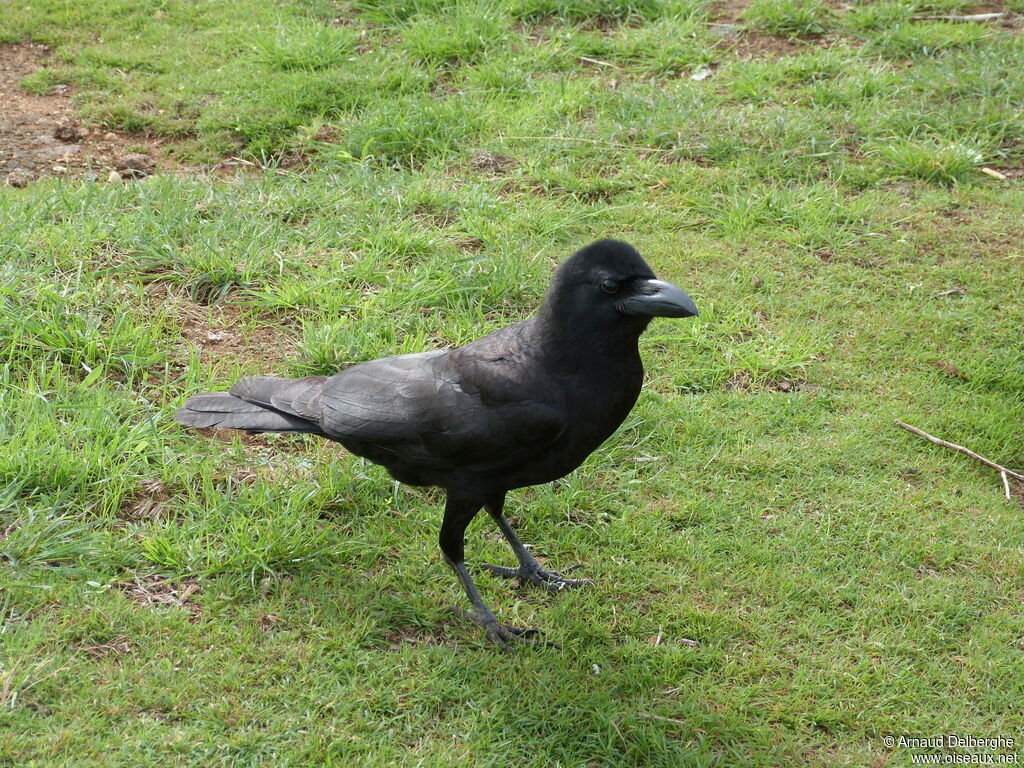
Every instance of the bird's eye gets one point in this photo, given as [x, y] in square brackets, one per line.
[609, 286]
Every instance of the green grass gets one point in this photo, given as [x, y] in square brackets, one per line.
[171, 598]
[788, 17]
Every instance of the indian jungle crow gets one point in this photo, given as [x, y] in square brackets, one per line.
[524, 405]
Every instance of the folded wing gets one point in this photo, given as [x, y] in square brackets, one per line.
[423, 412]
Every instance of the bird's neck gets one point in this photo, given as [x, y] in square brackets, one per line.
[571, 343]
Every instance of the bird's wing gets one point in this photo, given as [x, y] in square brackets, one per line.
[432, 411]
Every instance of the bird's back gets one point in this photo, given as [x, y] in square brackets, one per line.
[446, 417]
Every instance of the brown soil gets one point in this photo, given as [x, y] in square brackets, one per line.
[41, 136]
[728, 11]
[148, 501]
[214, 331]
[155, 590]
[752, 44]
[728, 25]
[215, 334]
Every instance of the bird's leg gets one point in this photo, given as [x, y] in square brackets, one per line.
[529, 570]
[502, 634]
[457, 515]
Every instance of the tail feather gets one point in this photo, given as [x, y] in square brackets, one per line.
[225, 411]
[297, 397]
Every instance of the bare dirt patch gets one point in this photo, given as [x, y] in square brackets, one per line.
[154, 590]
[753, 44]
[215, 331]
[40, 135]
[216, 336]
[727, 24]
[147, 501]
[494, 163]
[728, 11]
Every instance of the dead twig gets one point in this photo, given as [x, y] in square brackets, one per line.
[598, 62]
[963, 17]
[234, 161]
[1003, 471]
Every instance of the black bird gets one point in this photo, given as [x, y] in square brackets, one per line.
[524, 405]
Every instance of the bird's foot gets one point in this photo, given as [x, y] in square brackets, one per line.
[552, 581]
[504, 636]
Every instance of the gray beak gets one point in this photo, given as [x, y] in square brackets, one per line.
[656, 298]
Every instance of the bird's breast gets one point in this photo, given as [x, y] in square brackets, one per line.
[602, 404]
[595, 406]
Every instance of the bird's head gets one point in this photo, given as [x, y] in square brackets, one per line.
[610, 280]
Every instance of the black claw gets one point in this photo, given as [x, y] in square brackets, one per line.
[499, 639]
[501, 570]
[553, 581]
[503, 634]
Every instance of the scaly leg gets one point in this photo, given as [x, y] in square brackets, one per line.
[457, 515]
[529, 570]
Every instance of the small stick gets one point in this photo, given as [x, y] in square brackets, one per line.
[967, 17]
[598, 62]
[1006, 484]
[945, 444]
[993, 173]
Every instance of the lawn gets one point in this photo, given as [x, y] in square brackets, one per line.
[783, 576]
